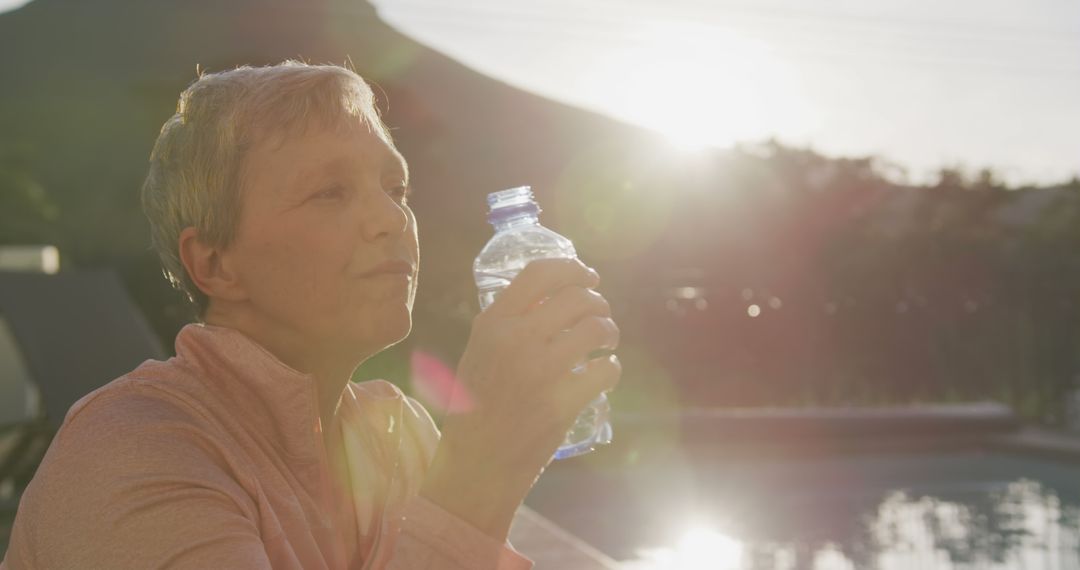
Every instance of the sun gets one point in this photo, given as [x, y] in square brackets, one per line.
[703, 548]
[700, 547]
[701, 86]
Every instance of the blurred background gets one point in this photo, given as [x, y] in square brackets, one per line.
[800, 211]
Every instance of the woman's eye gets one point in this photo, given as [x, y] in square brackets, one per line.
[400, 193]
[332, 193]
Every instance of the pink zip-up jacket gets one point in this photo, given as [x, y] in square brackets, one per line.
[215, 459]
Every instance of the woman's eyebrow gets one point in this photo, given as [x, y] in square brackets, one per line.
[307, 173]
[310, 173]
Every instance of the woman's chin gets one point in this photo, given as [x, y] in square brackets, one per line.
[392, 332]
[402, 335]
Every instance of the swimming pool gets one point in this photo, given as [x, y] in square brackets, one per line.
[955, 510]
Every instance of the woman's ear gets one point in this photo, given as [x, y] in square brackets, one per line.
[208, 268]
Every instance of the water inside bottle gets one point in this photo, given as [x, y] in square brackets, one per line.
[489, 285]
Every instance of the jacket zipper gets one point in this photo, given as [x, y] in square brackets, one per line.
[325, 483]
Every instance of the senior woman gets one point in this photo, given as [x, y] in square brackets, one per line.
[278, 203]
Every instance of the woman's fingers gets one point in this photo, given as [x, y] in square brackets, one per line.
[572, 346]
[539, 280]
[564, 309]
[528, 367]
[587, 382]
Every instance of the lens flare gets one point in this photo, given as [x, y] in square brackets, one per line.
[436, 385]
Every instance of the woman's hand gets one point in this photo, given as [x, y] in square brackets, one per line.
[517, 377]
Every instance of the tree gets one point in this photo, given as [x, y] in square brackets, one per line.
[27, 215]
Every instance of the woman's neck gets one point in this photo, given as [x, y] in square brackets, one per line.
[309, 356]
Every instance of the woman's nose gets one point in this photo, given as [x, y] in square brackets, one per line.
[383, 216]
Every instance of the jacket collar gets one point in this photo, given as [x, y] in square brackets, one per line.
[271, 397]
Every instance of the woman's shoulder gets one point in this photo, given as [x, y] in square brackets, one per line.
[130, 401]
[130, 426]
[139, 422]
[122, 450]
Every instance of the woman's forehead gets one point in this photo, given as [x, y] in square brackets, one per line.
[275, 138]
[291, 160]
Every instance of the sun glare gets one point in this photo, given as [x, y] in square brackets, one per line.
[702, 548]
[702, 86]
[699, 548]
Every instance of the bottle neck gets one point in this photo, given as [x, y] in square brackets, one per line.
[510, 222]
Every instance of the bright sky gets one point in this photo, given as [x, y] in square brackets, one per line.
[923, 83]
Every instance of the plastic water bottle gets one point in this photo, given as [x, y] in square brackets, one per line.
[519, 238]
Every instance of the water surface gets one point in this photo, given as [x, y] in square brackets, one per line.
[959, 511]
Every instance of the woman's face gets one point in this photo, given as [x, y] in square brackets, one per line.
[326, 245]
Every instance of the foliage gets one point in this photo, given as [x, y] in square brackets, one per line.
[27, 214]
[868, 291]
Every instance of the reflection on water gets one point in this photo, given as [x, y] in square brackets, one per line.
[963, 510]
[699, 548]
[1020, 526]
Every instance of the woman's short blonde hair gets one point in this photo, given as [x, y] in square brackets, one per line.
[196, 167]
